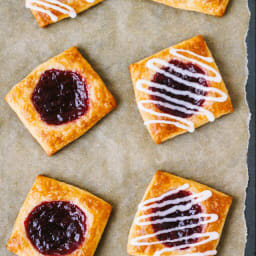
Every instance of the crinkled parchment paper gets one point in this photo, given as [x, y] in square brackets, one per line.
[117, 158]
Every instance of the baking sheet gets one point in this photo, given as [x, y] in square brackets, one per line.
[250, 212]
[117, 158]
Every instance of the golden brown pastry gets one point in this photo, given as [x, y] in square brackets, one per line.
[58, 219]
[178, 217]
[51, 11]
[212, 7]
[60, 100]
[179, 89]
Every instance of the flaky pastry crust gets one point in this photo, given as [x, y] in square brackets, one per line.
[212, 7]
[162, 132]
[46, 189]
[162, 182]
[44, 20]
[54, 137]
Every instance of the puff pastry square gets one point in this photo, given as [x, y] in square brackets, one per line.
[51, 11]
[47, 190]
[212, 7]
[179, 89]
[178, 217]
[54, 137]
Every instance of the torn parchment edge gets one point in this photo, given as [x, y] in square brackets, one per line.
[249, 117]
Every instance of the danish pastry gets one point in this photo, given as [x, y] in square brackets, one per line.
[58, 219]
[212, 7]
[51, 11]
[178, 217]
[179, 89]
[60, 100]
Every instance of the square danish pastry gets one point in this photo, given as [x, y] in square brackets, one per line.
[60, 100]
[58, 219]
[178, 217]
[179, 89]
[212, 7]
[51, 11]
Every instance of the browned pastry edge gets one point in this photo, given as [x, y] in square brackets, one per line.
[212, 7]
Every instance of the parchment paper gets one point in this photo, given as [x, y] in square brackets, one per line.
[117, 158]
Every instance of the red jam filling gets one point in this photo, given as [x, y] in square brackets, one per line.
[169, 82]
[56, 228]
[60, 96]
[180, 233]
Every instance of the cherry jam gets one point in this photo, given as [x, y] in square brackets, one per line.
[180, 233]
[169, 82]
[56, 228]
[60, 96]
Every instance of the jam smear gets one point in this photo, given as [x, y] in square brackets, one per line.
[167, 81]
[56, 228]
[182, 233]
[60, 96]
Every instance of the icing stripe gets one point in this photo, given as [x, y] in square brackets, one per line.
[208, 253]
[208, 235]
[183, 106]
[39, 9]
[176, 205]
[212, 218]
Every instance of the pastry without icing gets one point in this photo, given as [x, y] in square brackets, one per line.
[51, 11]
[179, 89]
[58, 219]
[212, 7]
[60, 100]
[178, 217]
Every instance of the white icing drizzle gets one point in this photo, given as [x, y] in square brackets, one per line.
[44, 6]
[183, 106]
[190, 200]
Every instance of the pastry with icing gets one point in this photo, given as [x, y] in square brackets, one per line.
[179, 89]
[51, 11]
[178, 217]
[58, 219]
[60, 100]
[212, 7]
